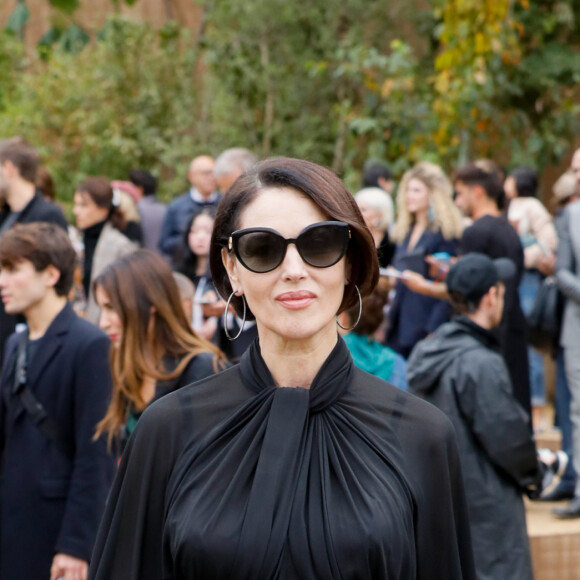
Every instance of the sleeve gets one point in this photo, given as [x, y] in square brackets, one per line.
[441, 310]
[170, 236]
[93, 466]
[442, 509]
[130, 540]
[567, 280]
[542, 227]
[497, 421]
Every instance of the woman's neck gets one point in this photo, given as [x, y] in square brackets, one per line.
[295, 363]
[378, 236]
[201, 267]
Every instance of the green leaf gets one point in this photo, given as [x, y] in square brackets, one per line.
[18, 18]
[73, 39]
[68, 6]
[50, 36]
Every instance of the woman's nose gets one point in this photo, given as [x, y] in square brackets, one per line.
[293, 265]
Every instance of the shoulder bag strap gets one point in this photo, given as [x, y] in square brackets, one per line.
[33, 407]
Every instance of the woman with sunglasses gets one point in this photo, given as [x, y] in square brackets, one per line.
[294, 463]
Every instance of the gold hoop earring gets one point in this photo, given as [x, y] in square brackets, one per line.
[359, 312]
[226, 317]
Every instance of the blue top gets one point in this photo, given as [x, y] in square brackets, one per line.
[413, 316]
[377, 359]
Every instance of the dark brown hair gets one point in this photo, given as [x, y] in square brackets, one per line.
[472, 174]
[22, 155]
[327, 192]
[100, 191]
[44, 245]
[45, 183]
[372, 312]
[145, 296]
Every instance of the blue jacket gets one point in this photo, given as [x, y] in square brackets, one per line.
[413, 316]
[49, 502]
[178, 215]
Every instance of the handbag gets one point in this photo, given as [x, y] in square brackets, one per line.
[545, 318]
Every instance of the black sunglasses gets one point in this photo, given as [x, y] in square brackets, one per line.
[262, 250]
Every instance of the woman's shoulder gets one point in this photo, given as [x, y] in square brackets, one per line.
[111, 236]
[195, 400]
[199, 367]
[413, 418]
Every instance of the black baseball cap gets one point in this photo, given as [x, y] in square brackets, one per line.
[474, 274]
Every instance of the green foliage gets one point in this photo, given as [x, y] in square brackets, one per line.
[67, 6]
[132, 101]
[19, 17]
[329, 80]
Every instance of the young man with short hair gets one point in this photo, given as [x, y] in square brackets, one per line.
[461, 371]
[55, 387]
[21, 202]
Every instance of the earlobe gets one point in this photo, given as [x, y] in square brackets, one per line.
[230, 265]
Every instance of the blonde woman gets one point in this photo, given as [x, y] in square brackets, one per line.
[428, 223]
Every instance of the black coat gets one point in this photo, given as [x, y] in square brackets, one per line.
[49, 502]
[461, 371]
[37, 210]
[234, 477]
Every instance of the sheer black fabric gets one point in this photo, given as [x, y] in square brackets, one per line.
[235, 478]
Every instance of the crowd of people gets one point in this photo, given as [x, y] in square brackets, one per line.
[231, 385]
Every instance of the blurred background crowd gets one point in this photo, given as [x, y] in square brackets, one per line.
[453, 126]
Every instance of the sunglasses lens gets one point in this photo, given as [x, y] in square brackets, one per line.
[324, 245]
[261, 251]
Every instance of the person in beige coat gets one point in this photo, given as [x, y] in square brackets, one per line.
[98, 217]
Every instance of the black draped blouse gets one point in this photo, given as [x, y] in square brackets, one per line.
[236, 478]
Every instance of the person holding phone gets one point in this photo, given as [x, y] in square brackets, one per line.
[294, 463]
[427, 223]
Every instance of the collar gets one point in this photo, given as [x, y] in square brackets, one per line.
[487, 338]
[329, 384]
[198, 198]
[94, 231]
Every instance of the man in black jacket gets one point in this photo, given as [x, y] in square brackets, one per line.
[55, 388]
[460, 369]
[21, 202]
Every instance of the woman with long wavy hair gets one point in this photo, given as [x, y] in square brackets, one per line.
[427, 223]
[154, 351]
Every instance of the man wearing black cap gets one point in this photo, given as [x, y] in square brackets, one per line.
[460, 369]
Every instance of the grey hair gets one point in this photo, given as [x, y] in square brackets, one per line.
[380, 201]
[236, 158]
